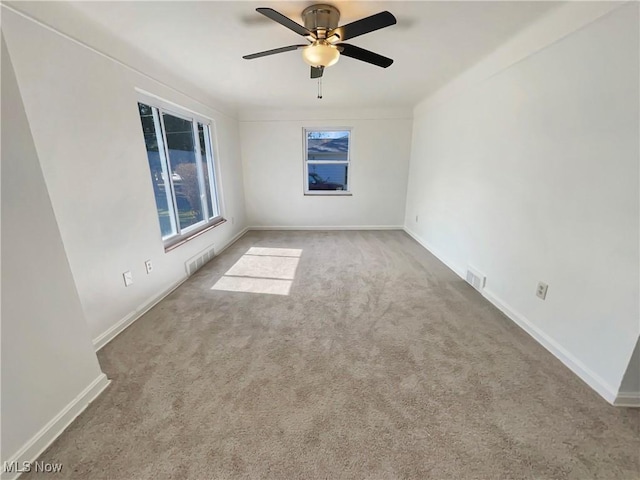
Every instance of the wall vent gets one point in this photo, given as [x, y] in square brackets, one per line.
[195, 263]
[476, 279]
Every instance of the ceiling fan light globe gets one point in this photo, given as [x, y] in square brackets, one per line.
[321, 55]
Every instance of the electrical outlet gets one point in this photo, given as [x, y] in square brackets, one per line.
[128, 278]
[149, 266]
[233, 220]
[541, 290]
[416, 218]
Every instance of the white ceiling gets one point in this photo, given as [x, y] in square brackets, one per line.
[203, 43]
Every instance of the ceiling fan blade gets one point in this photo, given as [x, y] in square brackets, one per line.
[316, 72]
[364, 25]
[364, 55]
[285, 21]
[272, 52]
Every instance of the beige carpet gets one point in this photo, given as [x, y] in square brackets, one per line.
[379, 364]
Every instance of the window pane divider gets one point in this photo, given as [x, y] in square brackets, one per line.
[157, 122]
[193, 227]
[213, 186]
[328, 162]
[199, 171]
[170, 173]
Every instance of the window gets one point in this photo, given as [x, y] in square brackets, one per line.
[183, 175]
[326, 161]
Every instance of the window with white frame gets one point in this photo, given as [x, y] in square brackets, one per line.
[326, 161]
[182, 167]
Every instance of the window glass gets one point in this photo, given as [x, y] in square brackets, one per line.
[328, 177]
[179, 154]
[328, 145]
[159, 177]
[184, 169]
[327, 161]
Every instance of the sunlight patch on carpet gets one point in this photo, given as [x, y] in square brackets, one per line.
[275, 252]
[262, 270]
[283, 268]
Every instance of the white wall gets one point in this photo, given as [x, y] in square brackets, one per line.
[48, 361]
[82, 111]
[532, 175]
[272, 155]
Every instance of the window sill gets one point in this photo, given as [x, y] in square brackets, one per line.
[328, 193]
[176, 242]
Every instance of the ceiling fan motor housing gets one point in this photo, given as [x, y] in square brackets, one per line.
[321, 18]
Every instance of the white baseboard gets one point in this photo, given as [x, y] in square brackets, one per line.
[236, 237]
[330, 227]
[120, 326]
[457, 270]
[31, 450]
[575, 365]
[592, 379]
[627, 399]
[105, 337]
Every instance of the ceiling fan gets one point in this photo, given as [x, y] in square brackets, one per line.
[325, 37]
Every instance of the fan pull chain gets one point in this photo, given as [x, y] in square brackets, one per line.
[320, 87]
